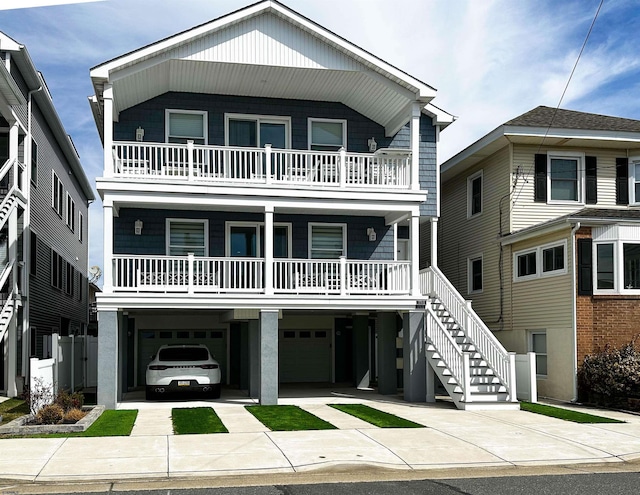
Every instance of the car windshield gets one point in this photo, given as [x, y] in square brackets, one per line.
[183, 354]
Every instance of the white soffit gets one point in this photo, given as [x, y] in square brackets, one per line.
[265, 50]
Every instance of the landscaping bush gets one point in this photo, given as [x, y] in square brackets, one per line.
[51, 414]
[611, 377]
[69, 401]
[73, 415]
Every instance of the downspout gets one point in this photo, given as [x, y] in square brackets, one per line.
[26, 242]
[574, 316]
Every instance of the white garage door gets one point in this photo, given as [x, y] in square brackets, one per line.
[150, 340]
[304, 356]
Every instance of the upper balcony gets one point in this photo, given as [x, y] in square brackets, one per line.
[270, 167]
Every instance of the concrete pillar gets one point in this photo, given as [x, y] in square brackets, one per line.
[108, 358]
[361, 350]
[12, 358]
[268, 357]
[387, 377]
[123, 329]
[432, 379]
[415, 363]
[254, 359]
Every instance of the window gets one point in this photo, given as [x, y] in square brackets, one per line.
[70, 274]
[187, 236]
[565, 174]
[33, 253]
[631, 260]
[80, 286]
[634, 180]
[185, 125]
[327, 241]
[327, 134]
[538, 344]
[80, 227]
[617, 267]
[246, 239]
[474, 194]
[552, 258]
[71, 213]
[34, 162]
[56, 270]
[475, 274]
[257, 130]
[57, 193]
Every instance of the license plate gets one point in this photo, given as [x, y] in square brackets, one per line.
[184, 383]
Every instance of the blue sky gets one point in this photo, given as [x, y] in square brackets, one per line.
[490, 60]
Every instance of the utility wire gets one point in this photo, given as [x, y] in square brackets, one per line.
[566, 87]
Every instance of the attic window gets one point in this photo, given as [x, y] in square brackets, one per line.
[185, 125]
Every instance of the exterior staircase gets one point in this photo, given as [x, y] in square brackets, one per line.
[5, 316]
[474, 368]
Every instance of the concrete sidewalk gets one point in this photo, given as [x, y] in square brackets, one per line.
[451, 439]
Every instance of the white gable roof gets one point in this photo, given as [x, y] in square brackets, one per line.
[264, 50]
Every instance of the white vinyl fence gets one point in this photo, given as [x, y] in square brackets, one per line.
[527, 387]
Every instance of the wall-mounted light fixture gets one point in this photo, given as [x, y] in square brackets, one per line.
[138, 227]
[373, 146]
[139, 134]
[371, 233]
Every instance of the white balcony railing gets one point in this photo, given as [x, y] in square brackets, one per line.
[388, 168]
[192, 274]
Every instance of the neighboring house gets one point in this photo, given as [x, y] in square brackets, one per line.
[540, 228]
[43, 221]
[264, 184]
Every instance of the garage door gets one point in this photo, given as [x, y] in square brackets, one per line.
[304, 356]
[150, 340]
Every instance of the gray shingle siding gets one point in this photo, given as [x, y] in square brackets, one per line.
[153, 241]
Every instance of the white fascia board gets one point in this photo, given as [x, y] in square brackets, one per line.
[9, 89]
[545, 132]
[471, 150]
[439, 116]
[538, 231]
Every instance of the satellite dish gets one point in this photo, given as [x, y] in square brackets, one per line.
[95, 273]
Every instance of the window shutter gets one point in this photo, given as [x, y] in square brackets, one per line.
[591, 176]
[585, 268]
[622, 181]
[540, 182]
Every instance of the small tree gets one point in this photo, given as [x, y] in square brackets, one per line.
[40, 395]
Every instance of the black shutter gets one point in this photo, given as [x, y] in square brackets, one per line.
[540, 180]
[591, 182]
[585, 268]
[622, 181]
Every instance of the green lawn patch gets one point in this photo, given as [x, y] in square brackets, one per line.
[375, 416]
[111, 423]
[288, 418]
[12, 409]
[190, 420]
[566, 414]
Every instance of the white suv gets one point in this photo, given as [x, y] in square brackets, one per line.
[183, 368]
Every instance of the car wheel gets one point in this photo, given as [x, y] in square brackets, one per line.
[215, 391]
[149, 394]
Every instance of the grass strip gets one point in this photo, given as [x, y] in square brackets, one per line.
[566, 414]
[12, 409]
[111, 423]
[376, 417]
[194, 420]
[288, 418]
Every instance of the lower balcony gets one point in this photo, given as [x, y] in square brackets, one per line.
[194, 274]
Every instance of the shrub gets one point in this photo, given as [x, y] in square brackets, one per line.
[611, 376]
[50, 414]
[69, 401]
[74, 415]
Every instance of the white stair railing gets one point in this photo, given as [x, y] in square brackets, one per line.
[449, 351]
[433, 283]
[6, 315]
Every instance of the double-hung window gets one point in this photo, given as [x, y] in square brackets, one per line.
[475, 281]
[71, 213]
[634, 180]
[474, 194]
[327, 241]
[327, 134]
[57, 194]
[70, 276]
[186, 125]
[56, 270]
[565, 176]
[186, 236]
[538, 344]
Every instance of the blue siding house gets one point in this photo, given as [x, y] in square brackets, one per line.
[265, 182]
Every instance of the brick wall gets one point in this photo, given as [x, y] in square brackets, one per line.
[602, 320]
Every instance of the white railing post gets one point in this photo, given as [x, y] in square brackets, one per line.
[267, 163]
[342, 169]
[343, 275]
[190, 159]
[466, 377]
[513, 392]
[190, 262]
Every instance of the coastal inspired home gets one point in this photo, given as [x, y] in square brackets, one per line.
[540, 228]
[44, 197]
[264, 185]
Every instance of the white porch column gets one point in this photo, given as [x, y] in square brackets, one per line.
[107, 96]
[414, 236]
[268, 250]
[434, 241]
[107, 211]
[415, 145]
